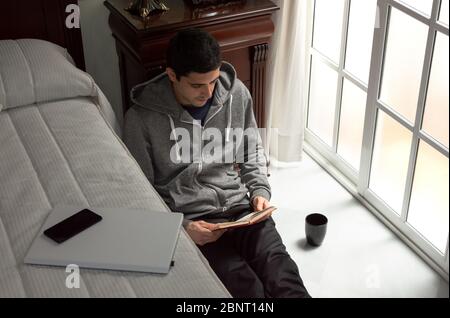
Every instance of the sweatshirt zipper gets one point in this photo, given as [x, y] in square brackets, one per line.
[200, 169]
[213, 115]
[200, 166]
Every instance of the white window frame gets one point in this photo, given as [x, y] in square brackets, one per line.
[358, 183]
[311, 138]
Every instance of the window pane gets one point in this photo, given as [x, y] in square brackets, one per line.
[390, 161]
[352, 124]
[443, 15]
[428, 210]
[328, 17]
[360, 36]
[423, 6]
[322, 101]
[403, 64]
[436, 110]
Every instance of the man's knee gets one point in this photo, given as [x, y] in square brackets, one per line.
[260, 241]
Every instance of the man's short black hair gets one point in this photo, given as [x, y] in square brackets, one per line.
[193, 50]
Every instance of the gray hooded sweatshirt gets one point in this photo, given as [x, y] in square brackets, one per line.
[196, 174]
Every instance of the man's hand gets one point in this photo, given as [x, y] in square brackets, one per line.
[203, 233]
[259, 204]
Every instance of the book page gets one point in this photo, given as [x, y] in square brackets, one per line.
[248, 219]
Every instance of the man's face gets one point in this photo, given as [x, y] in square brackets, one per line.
[195, 88]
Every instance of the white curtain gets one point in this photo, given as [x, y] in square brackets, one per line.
[287, 81]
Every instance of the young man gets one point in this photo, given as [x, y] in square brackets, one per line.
[200, 99]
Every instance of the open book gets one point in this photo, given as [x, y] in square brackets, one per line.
[249, 219]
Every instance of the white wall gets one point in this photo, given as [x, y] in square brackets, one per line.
[100, 51]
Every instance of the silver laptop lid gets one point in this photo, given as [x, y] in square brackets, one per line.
[125, 239]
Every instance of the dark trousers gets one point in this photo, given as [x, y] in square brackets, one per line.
[252, 261]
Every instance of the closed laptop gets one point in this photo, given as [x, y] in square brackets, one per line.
[124, 239]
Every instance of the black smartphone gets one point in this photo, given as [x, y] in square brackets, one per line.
[73, 225]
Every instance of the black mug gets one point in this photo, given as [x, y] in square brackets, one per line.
[315, 228]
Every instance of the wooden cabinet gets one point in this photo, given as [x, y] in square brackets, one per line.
[243, 31]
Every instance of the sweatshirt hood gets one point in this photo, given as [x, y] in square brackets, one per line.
[157, 94]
